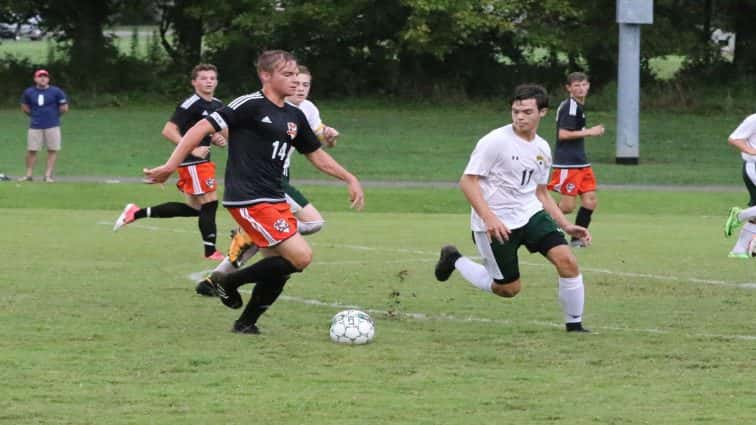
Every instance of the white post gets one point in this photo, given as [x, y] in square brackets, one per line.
[630, 14]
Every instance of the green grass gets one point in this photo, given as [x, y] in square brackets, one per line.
[39, 51]
[103, 327]
[394, 142]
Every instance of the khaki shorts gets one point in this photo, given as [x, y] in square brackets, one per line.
[49, 137]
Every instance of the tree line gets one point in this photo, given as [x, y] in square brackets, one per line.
[405, 48]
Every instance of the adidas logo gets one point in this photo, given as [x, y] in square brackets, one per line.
[204, 113]
[266, 120]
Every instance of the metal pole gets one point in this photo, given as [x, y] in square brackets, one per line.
[628, 94]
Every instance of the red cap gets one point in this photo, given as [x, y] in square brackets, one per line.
[39, 72]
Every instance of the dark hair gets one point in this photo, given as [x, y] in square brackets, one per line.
[268, 60]
[531, 91]
[203, 67]
[576, 76]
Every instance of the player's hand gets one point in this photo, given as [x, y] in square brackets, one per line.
[218, 140]
[330, 135]
[156, 175]
[497, 231]
[579, 232]
[201, 151]
[356, 195]
[597, 130]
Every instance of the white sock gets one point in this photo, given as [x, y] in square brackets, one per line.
[747, 233]
[225, 266]
[474, 273]
[309, 227]
[572, 298]
[747, 214]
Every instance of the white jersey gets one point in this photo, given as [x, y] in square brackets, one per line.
[747, 131]
[313, 115]
[510, 169]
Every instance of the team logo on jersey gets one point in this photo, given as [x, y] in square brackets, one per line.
[292, 130]
[210, 182]
[570, 187]
[540, 160]
[282, 225]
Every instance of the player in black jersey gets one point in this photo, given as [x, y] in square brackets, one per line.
[572, 174]
[196, 171]
[263, 130]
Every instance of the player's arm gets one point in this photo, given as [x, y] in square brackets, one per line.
[551, 207]
[62, 108]
[470, 185]
[596, 130]
[325, 163]
[191, 140]
[26, 108]
[171, 132]
[742, 145]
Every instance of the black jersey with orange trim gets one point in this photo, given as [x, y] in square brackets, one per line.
[570, 153]
[262, 135]
[189, 112]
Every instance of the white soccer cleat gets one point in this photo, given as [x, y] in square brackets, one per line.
[126, 217]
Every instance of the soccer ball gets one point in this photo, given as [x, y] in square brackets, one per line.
[352, 327]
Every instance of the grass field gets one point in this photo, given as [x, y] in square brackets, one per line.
[102, 327]
[395, 142]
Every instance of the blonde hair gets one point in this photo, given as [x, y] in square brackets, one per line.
[268, 60]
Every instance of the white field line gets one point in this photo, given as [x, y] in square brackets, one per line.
[433, 257]
[194, 277]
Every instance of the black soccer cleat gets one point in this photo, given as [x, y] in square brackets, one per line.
[205, 288]
[445, 265]
[243, 328]
[229, 297]
[576, 327]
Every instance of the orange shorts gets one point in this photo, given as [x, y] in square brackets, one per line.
[572, 181]
[266, 224]
[197, 179]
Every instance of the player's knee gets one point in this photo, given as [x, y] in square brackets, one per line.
[567, 265]
[506, 290]
[301, 259]
[566, 208]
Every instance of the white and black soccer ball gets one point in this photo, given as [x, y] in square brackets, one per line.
[352, 327]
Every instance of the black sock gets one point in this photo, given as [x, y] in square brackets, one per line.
[583, 217]
[207, 226]
[263, 296]
[268, 268]
[167, 210]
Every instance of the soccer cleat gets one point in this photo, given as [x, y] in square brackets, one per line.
[229, 297]
[205, 288]
[576, 327]
[216, 256]
[743, 255]
[732, 221]
[577, 243]
[126, 217]
[48, 179]
[240, 243]
[4, 178]
[243, 328]
[25, 179]
[445, 264]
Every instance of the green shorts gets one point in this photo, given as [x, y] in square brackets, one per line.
[540, 234]
[294, 197]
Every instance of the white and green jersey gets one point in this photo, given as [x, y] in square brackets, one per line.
[510, 169]
[313, 115]
[747, 130]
